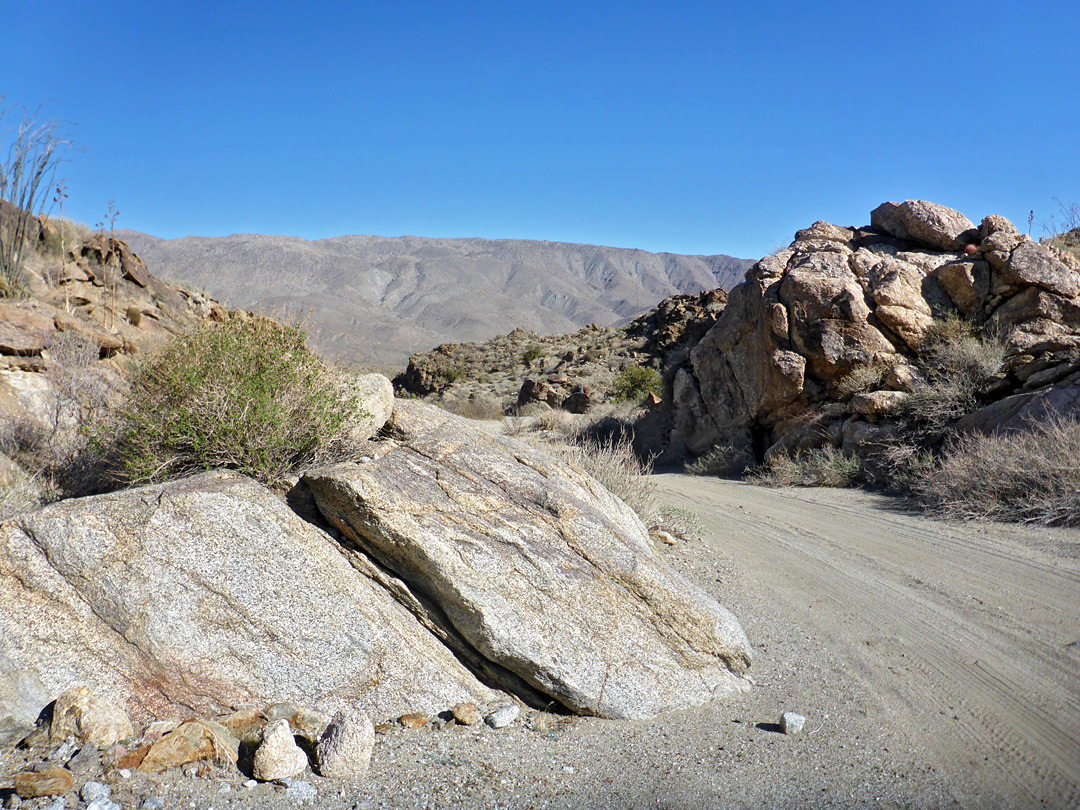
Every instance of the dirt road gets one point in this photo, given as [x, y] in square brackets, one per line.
[968, 635]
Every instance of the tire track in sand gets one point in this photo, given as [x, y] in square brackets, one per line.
[965, 627]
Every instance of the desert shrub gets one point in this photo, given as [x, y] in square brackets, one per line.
[820, 467]
[247, 396]
[477, 406]
[955, 368]
[1031, 477]
[556, 420]
[863, 378]
[618, 469]
[634, 382]
[63, 234]
[721, 461]
[531, 355]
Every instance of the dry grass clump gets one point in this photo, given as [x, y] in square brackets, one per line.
[820, 467]
[722, 461]
[476, 406]
[956, 367]
[247, 396]
[863, 378]
[18, 491]
[614, 464]
[679, 521]
[1031, 477]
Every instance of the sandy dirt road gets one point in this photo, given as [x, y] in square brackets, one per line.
[967, 635]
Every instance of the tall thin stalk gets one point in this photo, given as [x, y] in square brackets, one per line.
[30, 151]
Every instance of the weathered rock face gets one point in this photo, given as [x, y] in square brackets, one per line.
[203, 595]
[771, 373]
[536, 567]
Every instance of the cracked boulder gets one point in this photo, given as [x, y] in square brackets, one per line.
[536, 567]
[202, 595]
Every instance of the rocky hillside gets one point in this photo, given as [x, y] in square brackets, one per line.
[67, 345]
[575, 371]
[825, 341]
[375, 301]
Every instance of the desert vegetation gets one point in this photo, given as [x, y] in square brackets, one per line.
[31, 148]
[246, 395]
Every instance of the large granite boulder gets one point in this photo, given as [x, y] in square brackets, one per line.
[930, 224]
[537, 567]
[202, 595]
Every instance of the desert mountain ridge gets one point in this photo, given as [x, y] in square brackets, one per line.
[375, 300]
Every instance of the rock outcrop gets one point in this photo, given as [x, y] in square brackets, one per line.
[536, 568]
[770, 374]
[203, 595]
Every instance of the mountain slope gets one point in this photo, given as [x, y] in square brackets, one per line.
[375, 300]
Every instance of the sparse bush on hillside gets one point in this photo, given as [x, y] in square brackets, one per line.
[1031, 477]
[248, 396]
[531, 355]
[62, 234]
[632, 384]
[956, 367]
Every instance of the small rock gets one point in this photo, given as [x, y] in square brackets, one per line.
[92, 719]
[87, 758]
[301, 792]
[14, 801]
[467, 714]
[63, 751]
[413, 720]
[661, 536]
[250, 783]
[57, 804]
[384, 728]
[792, 723]
[92, 791]
[152, 803]
[278, 757]
[344, 750]
[124, 773]
[502, 717]
[51, 782]
[192, 741]
[103, 804]
[568, 768]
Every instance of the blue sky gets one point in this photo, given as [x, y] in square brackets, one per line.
[708, 127]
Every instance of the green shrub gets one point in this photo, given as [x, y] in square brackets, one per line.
[532, 354]
[634, 382]
[1031, 477]
[247, 396]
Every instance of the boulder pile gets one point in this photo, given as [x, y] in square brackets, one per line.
[770, 374]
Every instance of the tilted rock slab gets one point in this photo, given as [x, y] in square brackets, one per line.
[538, 567]
[206, 594]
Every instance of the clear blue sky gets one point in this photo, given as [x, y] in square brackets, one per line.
[690, 127]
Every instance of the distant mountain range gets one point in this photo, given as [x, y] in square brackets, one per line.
[375, 300]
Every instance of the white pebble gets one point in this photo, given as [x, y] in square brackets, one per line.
[250, 783]
[792, 723]
[502, 717]
[93, 791]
